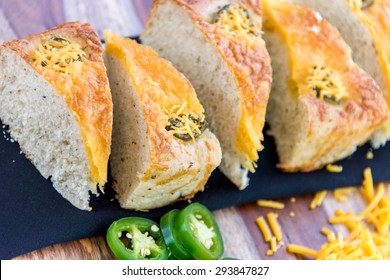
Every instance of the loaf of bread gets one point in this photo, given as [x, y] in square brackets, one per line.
[322, 105]
[56, 100]
[218, 46]
[162, 151]
[365, 26]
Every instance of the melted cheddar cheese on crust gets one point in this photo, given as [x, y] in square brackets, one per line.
[69, 57]
[318, 60]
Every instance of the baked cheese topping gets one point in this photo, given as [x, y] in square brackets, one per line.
[83, 85]
[185, 125]
[319, 61]
[236, 21]
[326, 85]
[57, 54]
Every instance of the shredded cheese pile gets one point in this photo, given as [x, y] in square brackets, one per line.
[235, 20]
[369, 231]
[183, 125]
[326, 85]
[57, 53]
[275, 238]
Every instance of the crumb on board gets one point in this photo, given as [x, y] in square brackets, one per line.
[334, 168]
[369, 154]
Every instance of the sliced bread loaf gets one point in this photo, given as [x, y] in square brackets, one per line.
[322, 105]
[55, 97]
[365, 26]
[162, 152]
[218, 46]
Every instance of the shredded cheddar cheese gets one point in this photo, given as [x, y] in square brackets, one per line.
[236, 22]
[334, 168]
[301, 250]
[326, 231]
[273, 246]
[318, 199]
[326, 85]
[275, 238]
[342, 194]
[369, 231]
[270, 204]
[275, 226]
[369, 154]
[57, 54]
[184, 125]
[264, 228]
[368, 185]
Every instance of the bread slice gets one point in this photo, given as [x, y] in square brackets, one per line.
[365, 26]
[218, 46]
[322, 105]
[55, 97]
[162, 151]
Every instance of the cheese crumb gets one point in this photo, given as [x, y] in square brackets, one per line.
[318, 199]
[270, 204]
[334, 168]
[370, 154]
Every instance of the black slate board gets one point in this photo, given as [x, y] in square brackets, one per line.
[33, 215]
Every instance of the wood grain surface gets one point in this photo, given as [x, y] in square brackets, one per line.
[242, 238]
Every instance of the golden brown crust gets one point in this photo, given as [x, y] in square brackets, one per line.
[86, 92]
[313, 42]
[250, 67]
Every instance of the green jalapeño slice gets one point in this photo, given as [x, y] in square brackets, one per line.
[136, 238]
[199, 232]
[171, 236]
